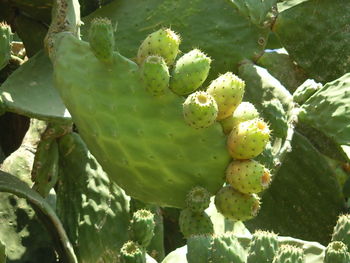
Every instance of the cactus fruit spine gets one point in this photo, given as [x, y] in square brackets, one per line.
[200, 110]
[289, 254]
[142, 227]
[263, 247]
[131, 252]
[336, 252]
[5, 44]
[189, 73]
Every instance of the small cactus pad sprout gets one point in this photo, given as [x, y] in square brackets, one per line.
[192, 223]
[248, 139]
[305, 91]
[248, 176]
[336, 252]
[198, 199]
[342, 229]
[142, 227]
[236, 205]
[164, 43]
[244, 112]
[200, 110]
[131, 252]
[262, 247]
[101, 38]
[5, 44]
[289, 254]
[227, 90]
[155, 75]
[189, 73]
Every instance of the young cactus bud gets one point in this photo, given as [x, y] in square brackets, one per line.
[289, 254]
[200, 110]
[5, 44]
[305, 91]
[101, 38]
[142, 227]
[164, 43]
[248, 176]
[190, 72]
[198, 199]
[227, 90]
[192, 223]
[236, 205]
[337, 252]
[155, 75]
[263, 247]
[248, 139]
[131, 252]
[244, 112]
[342, 229]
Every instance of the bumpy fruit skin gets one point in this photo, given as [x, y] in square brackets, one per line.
[101, 39]
[131, 252]
[263, 247]
[228, 91]
[164, 43]
[155, 75]
[342, 229]
[189, 73]
[200, 110]
[336, 252]
[192, 223]
[236, 205]
[244, 112]
[5, 44]
[142, 227]
[248, 176]
[289, 254]
[198, 199]
[248, 139]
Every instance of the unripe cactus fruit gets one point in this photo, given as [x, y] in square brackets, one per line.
[248, 176]
[336, 252]
[263, 247]
[5, 44]
[142, 227]
[248, 139]
[200, 110]
[155, 75]
[244, 112]
[198, 199]
[190, 72]
[236, 205]
[131, 252]
[227, 90]
[101, 39]
[192, 223]
[164, 43]
[342, 229]
[289, 254]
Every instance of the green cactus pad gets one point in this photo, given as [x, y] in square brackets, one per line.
[336, 252]
[248, 176]
[289, 254]
[278, 118]
[305, 91]
[227, 90]
[198, 248]
[189, 73]
[200, 110]
[155, 75]
[101, 38]
[304, 30]
[248, 139]
[131, 252]
[263, 247]
[198, 199]
[5, 44]
[195, 223]
[164, 43]
[146, 158]
[236, 205]
[142, 227]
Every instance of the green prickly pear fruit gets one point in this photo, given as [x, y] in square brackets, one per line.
[198, 248]
[227, 90]
[101, 38]
[164, 43]
[236, 205]
[263, 247]
[192, 223]
[248, 139]
[5, 44]
[142, 227]
[336, 252]
[305, 91]
[342, 229]
[200, 110]
[244, 112]
[189, 73]
[155, 75]
[289, 254]
[248, 176]
[198, 199]
[131, 252]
